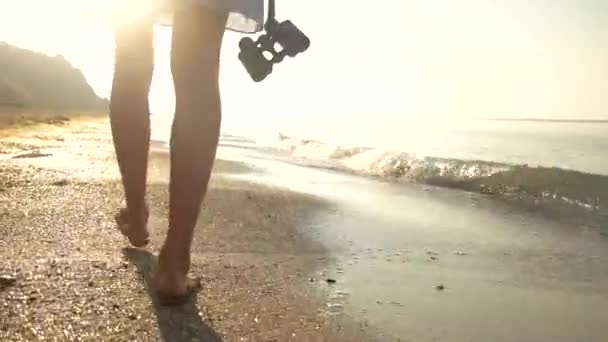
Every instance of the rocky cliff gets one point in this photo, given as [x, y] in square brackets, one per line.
[32, 80]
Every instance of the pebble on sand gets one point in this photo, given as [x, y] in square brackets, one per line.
[7, 280]
[33, 154]
[62, 182]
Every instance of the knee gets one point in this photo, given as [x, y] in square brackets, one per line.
[131, 81]
[133, 62]
[197, 87]
[194, 71]
[133, 67]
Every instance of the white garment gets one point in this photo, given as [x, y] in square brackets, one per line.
[243, 15]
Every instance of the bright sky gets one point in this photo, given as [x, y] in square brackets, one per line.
[394, 58]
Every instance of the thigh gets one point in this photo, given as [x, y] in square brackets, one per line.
[195, 49]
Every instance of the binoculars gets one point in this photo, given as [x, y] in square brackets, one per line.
[290, 39]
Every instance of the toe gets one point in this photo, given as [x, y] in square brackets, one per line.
[136, 234]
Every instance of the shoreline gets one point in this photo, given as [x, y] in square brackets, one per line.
[561, 193]
[427, 263]
[64, 252]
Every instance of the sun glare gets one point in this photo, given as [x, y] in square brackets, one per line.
[87, 12]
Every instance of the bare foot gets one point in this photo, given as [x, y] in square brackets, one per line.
[188, 288]
[134, 227]
[174, 287]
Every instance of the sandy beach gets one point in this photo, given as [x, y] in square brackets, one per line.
[406, 262]
[68, 275]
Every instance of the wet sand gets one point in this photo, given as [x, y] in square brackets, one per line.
[423, 263]
[67, 274]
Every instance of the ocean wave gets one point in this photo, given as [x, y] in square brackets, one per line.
[539, 183]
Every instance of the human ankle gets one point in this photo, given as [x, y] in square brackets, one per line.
[174, 260]
[138, 208]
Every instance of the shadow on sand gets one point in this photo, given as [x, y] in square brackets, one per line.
[178, 323]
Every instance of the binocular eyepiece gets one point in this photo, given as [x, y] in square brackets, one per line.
[290, 39]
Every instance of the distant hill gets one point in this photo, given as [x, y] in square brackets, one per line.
[32, 80]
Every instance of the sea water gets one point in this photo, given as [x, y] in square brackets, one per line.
[557, 159]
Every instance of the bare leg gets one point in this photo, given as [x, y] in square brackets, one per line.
[197, 38]
[130, 121]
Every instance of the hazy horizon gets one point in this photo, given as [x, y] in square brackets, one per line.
[404, 60]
